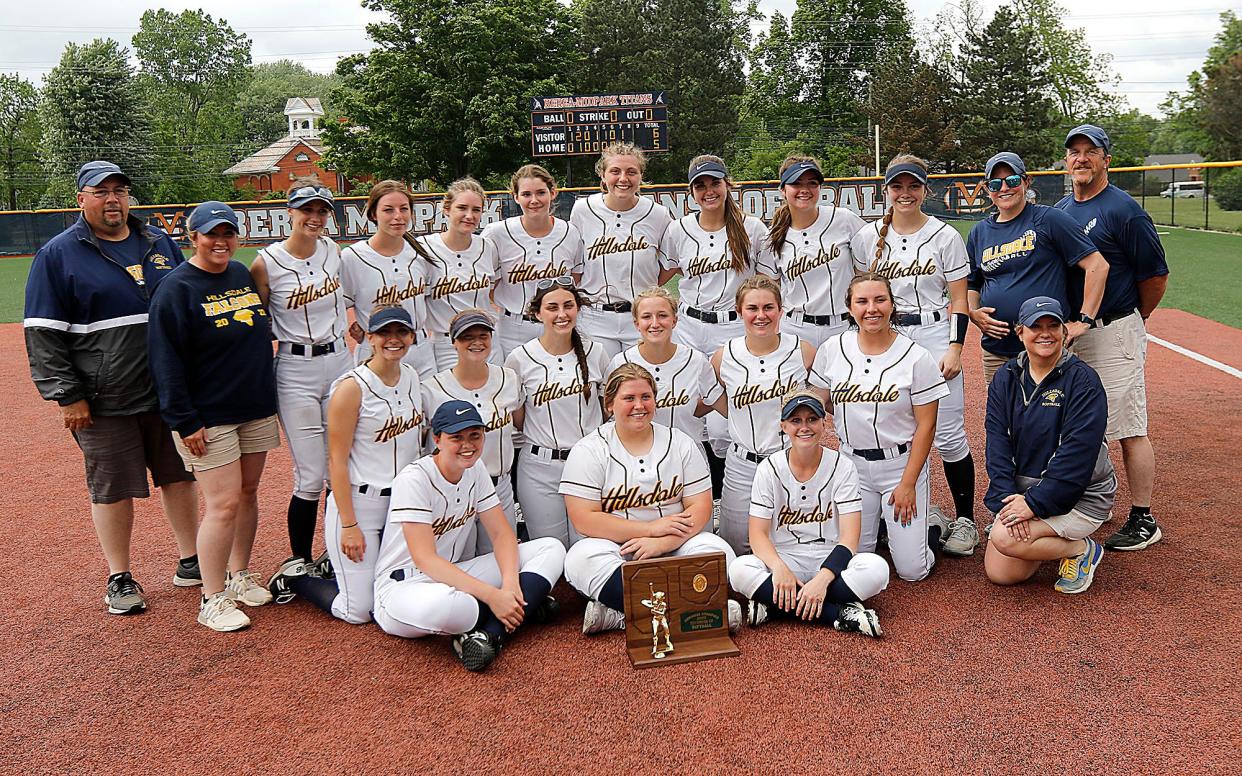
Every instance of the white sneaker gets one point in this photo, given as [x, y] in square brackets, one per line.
[937, 517]
[756, 614]
[599, 618]
[244, 587]
[220, 614]
[961, 538]
[735, 615]
[856, 618]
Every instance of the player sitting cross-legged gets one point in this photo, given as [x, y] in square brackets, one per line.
[423, 586]
[634, 490]
[805, 523]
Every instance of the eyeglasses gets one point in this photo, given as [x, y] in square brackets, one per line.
[563, 281]
[103, 194]
[1071, 153]
[1012, 181]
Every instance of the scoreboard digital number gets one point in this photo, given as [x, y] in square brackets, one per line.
[583, 124]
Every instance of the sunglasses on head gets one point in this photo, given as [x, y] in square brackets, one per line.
[1012, 181]
[564, 281]
[311, 191]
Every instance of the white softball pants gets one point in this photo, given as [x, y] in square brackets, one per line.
[419, 606]
[866, 574]
[951, 411]
[543, 507]
[707, 339]
[302, 384]
[514, 333]
[735, 500]
[504, 491]
[809, 332]
[355, 581]
[913, 558]
[613, 331]
[421, 356]
[592, 561]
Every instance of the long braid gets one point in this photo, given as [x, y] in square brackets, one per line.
[580, 354]
[879, 246]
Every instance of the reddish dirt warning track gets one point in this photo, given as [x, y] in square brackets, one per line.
[1139, 675]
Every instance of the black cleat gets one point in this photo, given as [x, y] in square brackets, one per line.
[476, 650]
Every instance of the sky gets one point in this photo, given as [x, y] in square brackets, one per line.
[1153, 46]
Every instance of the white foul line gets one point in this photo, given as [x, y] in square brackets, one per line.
[1202, 359]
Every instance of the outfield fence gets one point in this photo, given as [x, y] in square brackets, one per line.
[951, 196]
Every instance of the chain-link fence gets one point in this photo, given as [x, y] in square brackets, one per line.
[1181, 194]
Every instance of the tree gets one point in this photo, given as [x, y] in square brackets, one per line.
[446, 90]
[92, 108]
[912, 102]
[20, 178]
[1003, 97]
[1080, 79]
[261, 102]
[1220, 109]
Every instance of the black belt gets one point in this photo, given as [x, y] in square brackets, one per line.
[495, 480]
[1104, 320]
[556, 455]
[527, 318]
[877, 453]
[615, 307]
[916, 319]
[381, 491]
[748, 455]
[707, 316]
[299, 349]
[821, 320]
[397, 575]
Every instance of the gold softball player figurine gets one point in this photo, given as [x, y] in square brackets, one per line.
[659, 621]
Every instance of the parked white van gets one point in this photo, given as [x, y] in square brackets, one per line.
[1184, 190]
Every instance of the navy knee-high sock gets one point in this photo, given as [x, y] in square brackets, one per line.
[716, 468]
[613, 594]
[301, 519]
[961, 478]
[832, 601]
[320, 592]
[534, 589]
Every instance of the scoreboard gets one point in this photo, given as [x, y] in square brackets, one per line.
[583, 124]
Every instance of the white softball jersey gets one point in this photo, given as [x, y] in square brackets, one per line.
[421, 494]
[919, 266]
[805, 512]
[708, 281]
[557, 412]
[620, 249]
[524, 260]
[636, 487]
[681, 382]
[458, 280]
[496, 402]
[754, 386]
[816, 265]
[371, 279]
[306, 303]
[873, 397]
[390, 422]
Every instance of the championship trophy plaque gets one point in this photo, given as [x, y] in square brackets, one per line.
[676, 610]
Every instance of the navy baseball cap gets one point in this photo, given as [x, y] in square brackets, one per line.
[209, 215]
[387, 315]
[1097, 136]
[1007, 158]
[803, 400]
[796, 170]
[891, 173]
[708, 168]
[95, 173]
[454, 416]
[307, 194]
[1037, 307]
[469, 320]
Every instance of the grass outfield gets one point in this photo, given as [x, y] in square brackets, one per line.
[1205, 268]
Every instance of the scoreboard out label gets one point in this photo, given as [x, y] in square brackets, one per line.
[583, 124]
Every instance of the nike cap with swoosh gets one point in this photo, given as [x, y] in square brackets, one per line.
[1038, 307]
[454, 416]
[209, 215]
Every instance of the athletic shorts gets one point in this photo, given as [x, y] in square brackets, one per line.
[119, 449]
[228, 443]
[1073, 525]
[1118, 354]
[992, 364]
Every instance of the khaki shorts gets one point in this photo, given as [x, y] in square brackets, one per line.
[1073, 525]
[992, 364]
[1118, 354]
[228, 443]
[119, 449]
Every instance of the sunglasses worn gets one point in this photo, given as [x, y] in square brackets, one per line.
[1012, 181]
[564, 281]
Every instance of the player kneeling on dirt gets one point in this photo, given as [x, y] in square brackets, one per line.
[805, 523]
[422, 584]
[1052, 483]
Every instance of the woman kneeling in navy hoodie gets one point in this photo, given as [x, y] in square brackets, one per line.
[1052, 483]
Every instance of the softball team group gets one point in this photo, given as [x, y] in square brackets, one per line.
[538, 381]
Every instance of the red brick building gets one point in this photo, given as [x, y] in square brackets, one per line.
[295, 155]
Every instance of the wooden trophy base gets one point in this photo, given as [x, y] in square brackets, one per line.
[693, 591]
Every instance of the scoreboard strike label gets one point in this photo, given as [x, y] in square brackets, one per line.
[584, 124]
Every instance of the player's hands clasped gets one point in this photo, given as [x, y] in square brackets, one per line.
[507, 604]
[353, 544]
[904, 507]
[784, 588]
[811, 596]
[680, 525]
[644, 547]
[77, 415]
[981, 316]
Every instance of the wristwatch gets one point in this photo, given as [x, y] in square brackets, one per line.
[1087, 319]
